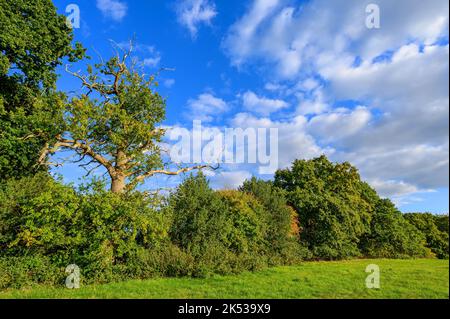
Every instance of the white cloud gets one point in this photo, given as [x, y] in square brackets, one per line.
[399, 139]
[240, 40]
[192, 13]
[293, 139]
[168, 83]
[230, 180]
[144, 54]
[400, 192]
[339, 124]
[205, 107]
[393, 188]
[113, 9]
[296, 37]
[262, 105]
[152, 62]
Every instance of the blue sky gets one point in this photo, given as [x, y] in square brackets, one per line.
[375, 97]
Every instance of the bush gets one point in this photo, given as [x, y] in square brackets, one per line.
[38, 216]
[97, 230]
[392, 236]
[428, 224]
[282, 223]
[247, 223]
[20, 272]
[333, 213]
[199, 218]
[115, 227]
[164, 260]
[228, 231]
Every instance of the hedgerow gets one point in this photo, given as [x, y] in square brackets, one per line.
[315, 210]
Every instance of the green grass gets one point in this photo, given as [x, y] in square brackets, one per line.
[423, 278]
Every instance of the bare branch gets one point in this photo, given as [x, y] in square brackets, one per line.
[81, 148]
[173, 173]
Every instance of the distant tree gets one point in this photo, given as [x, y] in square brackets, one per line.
[282, 219]
[332, 204]
[114, 124]
[442, 222]
[429, 225]
[391, 235]
[199, 218]
[34, 40]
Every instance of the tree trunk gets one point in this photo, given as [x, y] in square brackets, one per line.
[118, 184]
[118, 181]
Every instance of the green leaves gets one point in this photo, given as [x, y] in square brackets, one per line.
[341, 216]
[34, 39]
[327, 197]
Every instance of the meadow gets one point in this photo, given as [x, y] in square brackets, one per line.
[399, 279]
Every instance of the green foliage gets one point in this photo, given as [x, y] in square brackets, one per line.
[341, 216]
[97, 230]
[282, 220]
[18, 272]
[435, 230]
[34, 40]
[38, 216]
[46, 225]
[327, 197]
[199, 217]
[23, 128]
[442, 222]
[117, 126]
[115, 228]
[231, 231]
[248, 223]
[164, 260]
[392, 236]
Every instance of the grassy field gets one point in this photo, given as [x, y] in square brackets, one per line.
[344, 279]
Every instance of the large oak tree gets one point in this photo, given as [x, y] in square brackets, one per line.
[114, 124]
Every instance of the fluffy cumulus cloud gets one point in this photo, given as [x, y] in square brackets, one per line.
[291, 37]
[192, 13]
[262, 105]
[293, 139]
[378, 98]
[230, 179]
[113, 9]
[206, 107]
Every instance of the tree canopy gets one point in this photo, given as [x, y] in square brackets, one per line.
[34, 40]
[115, 124]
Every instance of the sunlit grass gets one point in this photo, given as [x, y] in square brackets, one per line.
[423, 278]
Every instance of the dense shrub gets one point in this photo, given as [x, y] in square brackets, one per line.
[392, 236]
[430, 226]
[38, 216]
[230, 231]
[199, 218]
[18, 272]
[210, 227]
[247, 223]
[116, 226]
[442, 223]
[97, 230]
[327, 197]
[314, 210]
[164, 260]
[282, 222]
